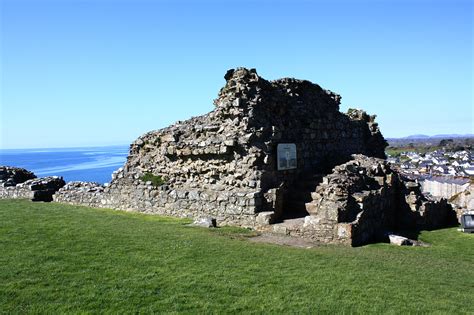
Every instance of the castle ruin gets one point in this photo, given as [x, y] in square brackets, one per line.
[277, 156]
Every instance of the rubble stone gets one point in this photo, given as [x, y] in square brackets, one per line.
[11, 176]
[363, 198]
[223, 164]
[404, 241]
[206, 222]
[20, 183]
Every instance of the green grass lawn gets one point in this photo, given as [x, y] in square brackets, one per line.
[56, 258]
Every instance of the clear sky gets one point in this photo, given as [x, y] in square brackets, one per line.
[85, 73]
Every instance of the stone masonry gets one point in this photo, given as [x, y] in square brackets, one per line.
[19, 183]
[363, 199]
[227, 165]
[223, 164]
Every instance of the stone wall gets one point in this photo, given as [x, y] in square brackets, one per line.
[224, 164]
[20, 183]
[140, 196]
[361, 201]
[355, 202]
[416, 210]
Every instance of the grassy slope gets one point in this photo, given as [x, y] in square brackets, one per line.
[58, 258]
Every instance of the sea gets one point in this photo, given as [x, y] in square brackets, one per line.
[92, 164]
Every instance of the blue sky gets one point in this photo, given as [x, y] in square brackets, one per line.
[85, 73]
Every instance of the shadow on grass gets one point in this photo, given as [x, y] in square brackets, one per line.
[414, 234]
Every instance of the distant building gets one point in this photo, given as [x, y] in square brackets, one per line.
[445, 186]
[469, 171]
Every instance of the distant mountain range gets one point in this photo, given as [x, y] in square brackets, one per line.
[424, 140]
[442, 136]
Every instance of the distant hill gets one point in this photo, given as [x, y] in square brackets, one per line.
[429, 141]
[441, 136]
[416, 137]
[469, 135]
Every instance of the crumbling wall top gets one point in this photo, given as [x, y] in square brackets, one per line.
[11, 176]
[244, 88]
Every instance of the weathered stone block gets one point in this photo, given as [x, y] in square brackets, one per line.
[265, 218]
[206, 222]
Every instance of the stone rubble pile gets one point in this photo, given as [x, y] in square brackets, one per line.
[20, 183]
[11, 176]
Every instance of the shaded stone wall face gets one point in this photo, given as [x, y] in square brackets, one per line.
[224, 163]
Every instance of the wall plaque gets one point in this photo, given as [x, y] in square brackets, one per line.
[286, 155]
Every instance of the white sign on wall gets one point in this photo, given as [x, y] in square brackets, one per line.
[286, 156]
